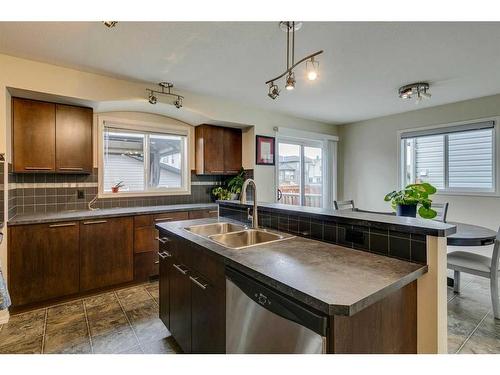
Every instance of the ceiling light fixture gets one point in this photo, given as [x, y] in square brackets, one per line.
[312, 65]
[110, 24]
[274, 91]
[418, 91]
[165, 88]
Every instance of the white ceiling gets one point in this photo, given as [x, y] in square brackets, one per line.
[360, 71]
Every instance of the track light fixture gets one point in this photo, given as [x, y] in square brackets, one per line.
[165, 88]
[417, 91]
[312, 65]
[274, 91]
[110, 24]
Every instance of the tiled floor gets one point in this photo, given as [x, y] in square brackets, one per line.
[126, 321]
[471, 326]
[121, 321]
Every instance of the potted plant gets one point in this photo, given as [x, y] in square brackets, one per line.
[405, 201]
[221, 193]
[235, 184]
[116, 187]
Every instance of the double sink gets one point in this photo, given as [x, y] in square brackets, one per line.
[235, 236]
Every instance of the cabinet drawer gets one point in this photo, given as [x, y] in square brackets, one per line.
[145, 265]
[209, 267]
[200, 214]
[143, 221]
[145, 240]
[170, 216]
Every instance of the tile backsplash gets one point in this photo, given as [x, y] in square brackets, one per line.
[38, 193]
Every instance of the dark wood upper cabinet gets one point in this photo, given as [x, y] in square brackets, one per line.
[73, 139]
[49, 137]
[33, 135]
[106, 252]
[218, 150]
[43, 262]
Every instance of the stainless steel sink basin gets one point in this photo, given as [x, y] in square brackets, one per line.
[247, 238]
[214, 228]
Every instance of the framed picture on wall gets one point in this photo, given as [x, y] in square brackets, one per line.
[264, 150]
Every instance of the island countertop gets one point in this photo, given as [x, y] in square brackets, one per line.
[330, 278]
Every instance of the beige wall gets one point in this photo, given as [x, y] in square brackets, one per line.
[111, 94]
[369, 154]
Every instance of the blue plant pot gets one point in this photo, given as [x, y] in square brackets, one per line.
[409, 210]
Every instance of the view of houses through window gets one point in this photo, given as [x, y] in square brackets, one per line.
[300, 174]
[142, 161]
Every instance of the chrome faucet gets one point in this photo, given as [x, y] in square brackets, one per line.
[243, 199]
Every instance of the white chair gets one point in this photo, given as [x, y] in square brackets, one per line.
[479, 265]
[441, 210]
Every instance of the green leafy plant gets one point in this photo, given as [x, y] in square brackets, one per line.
[414, 194]
[235, 184]
[221, 193]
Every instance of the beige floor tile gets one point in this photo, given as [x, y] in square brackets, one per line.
[30, 345]
[108, 322]
[146, 323]
[116, 341]
[131, 297]
[65, 313]
[69, 337]
[154, 290]
[163, 346]
[134, 350]
[22, 328]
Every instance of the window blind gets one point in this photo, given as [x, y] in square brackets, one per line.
[448, 129]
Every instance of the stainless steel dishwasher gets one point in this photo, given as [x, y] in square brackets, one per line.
[261, 320]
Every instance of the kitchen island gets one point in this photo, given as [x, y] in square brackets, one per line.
[369, 300]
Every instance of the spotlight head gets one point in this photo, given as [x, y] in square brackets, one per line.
[152, 98]
[110, 24]
[178, 102]
[273, 91]
[312, 67]
[290, 81]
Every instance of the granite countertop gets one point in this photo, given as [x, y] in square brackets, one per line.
[51, 217]
[330, 278]
[393, 222]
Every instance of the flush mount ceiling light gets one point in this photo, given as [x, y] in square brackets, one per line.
[312, 65]
[110, 24]
[165, 88]
[417, 91]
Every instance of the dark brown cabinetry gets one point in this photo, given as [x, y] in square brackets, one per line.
[106, 252]
[73, 139]
[201, 214]
[43, 262]
[49, 137]
[34, 135]
[192, 296]
[218, 150]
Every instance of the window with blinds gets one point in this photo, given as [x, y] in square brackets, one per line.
[456, 158]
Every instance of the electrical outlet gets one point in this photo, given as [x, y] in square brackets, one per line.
[80, 194]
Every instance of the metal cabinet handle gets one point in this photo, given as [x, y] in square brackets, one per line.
[157, 262]
[70, 168]
[213, 212]
[216, 171]
[178, 268]
[164, 219]
[195, 280]
[164, 255]
[162, 239]
[38, 168]
[62, 225]
[95, 222]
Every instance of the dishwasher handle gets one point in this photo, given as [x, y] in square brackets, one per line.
[277, 303]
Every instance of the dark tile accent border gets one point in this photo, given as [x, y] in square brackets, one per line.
[406, 246]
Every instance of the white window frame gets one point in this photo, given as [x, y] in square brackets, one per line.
[148, 127]
[494, 192]
[328, 144]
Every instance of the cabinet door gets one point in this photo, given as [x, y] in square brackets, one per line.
[201, 214]
[34, 135]
[164, 283]
[106, 252]
[43, 262]
[207, 317]
[73, 139]
[209, 149]
[180, 305]
[232, 151]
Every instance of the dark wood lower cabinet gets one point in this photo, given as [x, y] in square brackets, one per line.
[164, 284]
[43, 262]
[106, 252]
[180, 305]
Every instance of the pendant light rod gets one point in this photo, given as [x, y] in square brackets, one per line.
[289, 69]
